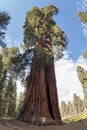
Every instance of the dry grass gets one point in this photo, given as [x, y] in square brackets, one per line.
[76, 118]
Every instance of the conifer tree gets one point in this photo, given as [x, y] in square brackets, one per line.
[4, 21]
[43, 40]
[7, 82]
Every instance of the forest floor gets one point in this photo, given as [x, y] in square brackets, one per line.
[19, 125]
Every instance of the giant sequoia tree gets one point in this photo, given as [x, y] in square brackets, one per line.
[43, 40]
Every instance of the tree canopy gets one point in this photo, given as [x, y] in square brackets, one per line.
[38, 22]
[85, 54]
[83, 16]
[4, 21]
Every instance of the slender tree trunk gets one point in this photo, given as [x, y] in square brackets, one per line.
[41, 99]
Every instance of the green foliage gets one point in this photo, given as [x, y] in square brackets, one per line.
[85, 54]
[2, 103]
[11, 98]
[42, 56]
[2, 80]
[80, 69]
[83, 16]
[82, 75]
[8, 54]
[4, 21]
[1, 64]
[2, 73]
[7, 82]
[8, 99]
[37, 23]
[10, 57]
[51, 10]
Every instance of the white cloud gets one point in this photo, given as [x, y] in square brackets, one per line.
[67, 79]
[84, 29]
[10, 42]
[20, 88]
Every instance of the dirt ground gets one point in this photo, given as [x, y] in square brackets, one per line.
[4, 125]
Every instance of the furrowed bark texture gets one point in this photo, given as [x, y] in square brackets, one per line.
[41, 99]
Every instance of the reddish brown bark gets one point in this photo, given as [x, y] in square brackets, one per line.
[41, 99]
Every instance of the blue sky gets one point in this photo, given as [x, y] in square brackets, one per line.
[66, 19]
[69, 23]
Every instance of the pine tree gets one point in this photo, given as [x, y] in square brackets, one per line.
[4, 21]
[69, 109]
[7, 82]
[2, 85]
[77, 105]
[63, 109]
[11, 96]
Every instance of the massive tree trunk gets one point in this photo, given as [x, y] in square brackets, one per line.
[41, 98]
